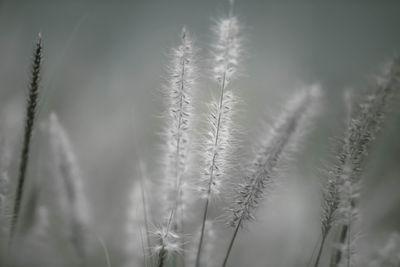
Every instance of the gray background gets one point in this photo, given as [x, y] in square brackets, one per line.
[104, 63]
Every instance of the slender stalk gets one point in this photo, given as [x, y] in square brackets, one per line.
[313, 252]
[163, 236]
[177, 169]
[321, 247]
[105, 250]
[348, 246]
[162, 256]
[203, 224]
[183, 255]
[227, 50]
[239, 222]
[337, 255]
[146, 224]
[29, 123]
[231, 243]
[182, 82]
[143, 249]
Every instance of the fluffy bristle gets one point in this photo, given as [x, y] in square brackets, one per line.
[227, 49]
[275, 146]
[182, 81]
[218, 144]
[341, 192]
[361, 131]
[71, 194]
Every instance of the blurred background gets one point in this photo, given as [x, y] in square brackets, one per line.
[104, 67]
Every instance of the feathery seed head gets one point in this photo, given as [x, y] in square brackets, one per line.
[182, 81]
[68, 170]
[31, 109]
[167, 241]
[227, 49]
[275, 146]
[218, 144]
[341, 192]
[70, 188]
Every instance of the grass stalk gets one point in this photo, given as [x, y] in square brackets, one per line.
[29, 123]
[337, 254]
[146, 222]
[231, 243]
[203, 223]
[321, 247]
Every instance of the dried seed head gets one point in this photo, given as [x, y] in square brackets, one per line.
[341, 191]
[275, 146]
[227, 49]
[166, 243]
[71, 192]
[179, 91]
[217, 145]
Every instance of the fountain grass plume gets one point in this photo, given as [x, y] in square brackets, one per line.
[182, 75]
[72, 194]
[137, 223]
[32, 101]
[362, 129]
[167, 244]
[179, 92]
[218, 141]
[278, 143]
